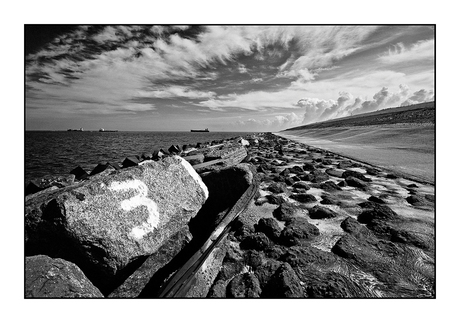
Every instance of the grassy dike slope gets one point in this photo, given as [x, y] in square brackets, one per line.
[400, 139]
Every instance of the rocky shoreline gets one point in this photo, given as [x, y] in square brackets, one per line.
[320, 225]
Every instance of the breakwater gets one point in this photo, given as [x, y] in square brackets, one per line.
[282, 219]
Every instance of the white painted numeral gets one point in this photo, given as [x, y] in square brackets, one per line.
[140, 199]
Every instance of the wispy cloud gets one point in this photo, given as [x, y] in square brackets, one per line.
[422, 50]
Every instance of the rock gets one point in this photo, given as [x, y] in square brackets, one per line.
[289, 181]
[408, 237]
[309, 167]
[254, 258]
[354, 182]
[372, 171]
[195, 159]
[275, 251]
[416, 200]
[375, 199]
[283, 283]
[355, 174]
[102, 167]
[244, 285]
[136, 285]
[332, 285]
[334, 172]
[42, 183]
[56, 278]
[319, 176]
[353, 227]
[218, 289]
[342, 184]
[130, 161]
[105, 223]
[266, 270]
[256, 241]
[304, 198]
[301, 185]
[301, 256]
[174, 149]
[296, 170]
[431, 198]
[374, 211]
[79, 173]
[330, 186]
[319, 212]
[412, 185]
[277, 178]
[344, 164]
[297, 231]
[286, 211]
[158, 154]
[230, 269]
[270, 227]
[146, 156]
[285, 172]
[275, 199]
[391, 176]
[277, 188]
[329, 200]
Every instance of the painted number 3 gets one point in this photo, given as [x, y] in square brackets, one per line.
[140, 199]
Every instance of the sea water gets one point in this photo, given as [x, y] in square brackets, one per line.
[58, 152]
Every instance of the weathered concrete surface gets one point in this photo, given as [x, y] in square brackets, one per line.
[56, 278]
[107, 222]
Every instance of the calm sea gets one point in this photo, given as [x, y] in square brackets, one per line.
[58, 152]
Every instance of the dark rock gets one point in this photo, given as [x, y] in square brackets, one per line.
[283, 283]
[342, 184]
[319, 212]
[301, 256]
[302, 185]
[277, 178]
[218, 289]
[296, 170]
[334, 172]
[391, 176]
[355, 182]
[286, 211]
[158, 154]
[375, 199]
[412, 191]
[412, 185]
[306, 177]
[330, 186]
[230, 269]
[309, 167]
[33, 187]
[374, 211]
[44, 182]
[295, 178]
[416, 200]
[270, 227]
[275, 251]
[304, 197]
[277, 188]
[329, 200]
[102, 167]
[256, 241]
[285, 172]
[297, 231]
[266, 270]
[355, 174]
[319, 176]
[130, 161]
[331, 285]
[275, 199]
[430, 197]
[372, 171]
[408, 237]
[146, 156]
[352, 226]
[56, 278]
[344, 164]
[244, 285]
[174, 149]
[254, 258]
[289, 181]
[79, 173]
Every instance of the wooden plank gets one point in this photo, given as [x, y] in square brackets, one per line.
[180, 279]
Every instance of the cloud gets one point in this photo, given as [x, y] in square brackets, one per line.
[242, 69]
[275, 123]
[321, 110]
[399, 53]
[176, 91]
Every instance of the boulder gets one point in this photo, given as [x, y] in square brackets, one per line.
[42, 183]
[269, 226]
[309, 167]
[195, 159]
[244, 285]
[375, 199]
[275, 199]
[297, 231]
[79, 173]
[56, 278]
[130, 161]
[302, 256]
[303, 185]
[376, 212]
[319, 212]
[283, 283]
[106, 222]
[416, 200]
[277, 188]
[266, 270]
[329, 186]
[329, 200]
[304, 197]
[174, 149]
[355, 182]
[355, 174]
[286, 211]
[296, 170]
[334, 172]
[256, 241]
[102, 167]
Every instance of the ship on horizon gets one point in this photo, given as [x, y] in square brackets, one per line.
[200, 130]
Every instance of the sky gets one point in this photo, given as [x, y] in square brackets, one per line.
[221, 77]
